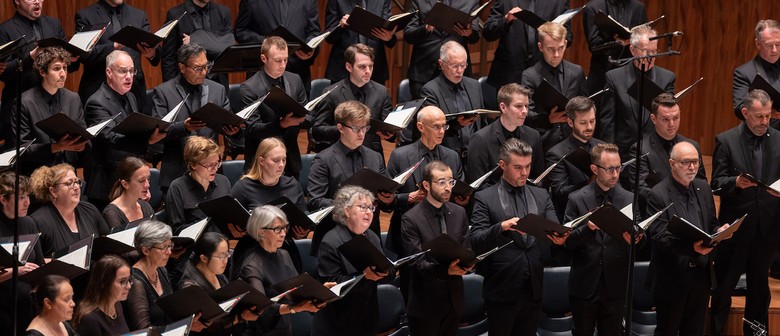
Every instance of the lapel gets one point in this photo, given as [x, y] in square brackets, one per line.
[472, 95]
[702, 207]
[42, 110]
[346, 91]
[448, 97]
[187, 104]
[286, 80]
[760, 68]
[498, 131]
[661, 155]
[341, 160]
[747, 152]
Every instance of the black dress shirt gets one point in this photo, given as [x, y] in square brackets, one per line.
[184, 195]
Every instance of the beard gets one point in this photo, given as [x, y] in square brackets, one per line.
[442, 197]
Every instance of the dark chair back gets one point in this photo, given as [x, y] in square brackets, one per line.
[233, 170]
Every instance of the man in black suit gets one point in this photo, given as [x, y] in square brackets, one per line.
[428, 40]
[336, 15]
[617, 121]
[564, 76]
[206, 23]
[751, 148]
[680, 270]
[605, 44]
[566, 178]
[118, 14]
[43, 101]
[192, 87]
[342, 160]
[258, 18]
[764, 64]
[27, 22]
[517, 48]
[435, 302]
[665, 115]
[113, 100]
[597, 282]
[485, 144]
[265, 122]
[358, 86]
[513, 275]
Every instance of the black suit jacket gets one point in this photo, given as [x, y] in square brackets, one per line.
[166, 96]
[35, 107]
[507, 270]
[96, 16]
[538, 112]
[264, 123]
[484, 148]
[341, 39]
[432, 292]
[733, 152]
[630, 13]
[424, 66]
[657, 161]
[257, 18]
[672, 257]
[596, 254]
[515, 52]
[439, 92]
[324, 131]
[565, 178]
[617, 122]
[743, 76]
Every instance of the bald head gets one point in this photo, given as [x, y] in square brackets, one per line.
[684, 161]
[432, 124]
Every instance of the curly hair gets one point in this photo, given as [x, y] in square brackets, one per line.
[49, 55]
[45, 177]
[346, 197]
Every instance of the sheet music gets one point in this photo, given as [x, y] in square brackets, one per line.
[193, 231]
[317, 216]
[645, 223]
[126, 237]
[85, 40]
[577, 221]
[337, 289]
[23, 245]
[313, 103]
[78, 258]
[249, 110]
[172, 114]
[566, 16]
[628, 211]
[401, 178]
[482, 179]
[95, 129]
[178, 331]
[166, 29]
[315, 42]
[400, 118]
[8, 158]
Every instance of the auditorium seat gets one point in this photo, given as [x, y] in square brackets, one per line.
[474, 321]
[557, 320]
[392, 309]
[318, 87]
[488, 94]
[404, 92]
[643, 316]
[233, 170]
[303, 175]
[309, 262]
[154, 188]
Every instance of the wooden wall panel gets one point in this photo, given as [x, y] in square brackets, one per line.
[718, 38]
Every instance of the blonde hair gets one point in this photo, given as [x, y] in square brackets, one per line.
[46, 177]
[265, 146]
[199, 148]
[351, 110]
[553, 30]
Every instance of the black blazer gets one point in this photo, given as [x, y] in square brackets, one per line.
[617, 123]
[596, 254]
[672, 257]
[257, 18]
[515, 52]
[657, 160]
[424, 66]
[324, 130]
[733, 152]
[743, 76]
[264, 123]
[341, 39]
[484, 147]
[505, 271]
[401, 159]
[538, 113]
[439, 92]
[630, 15]
[166, 96]
[35, 107]
[96, 16]
[566, 178]
[431, 289]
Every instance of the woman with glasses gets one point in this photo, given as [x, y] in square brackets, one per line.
[63, 219]
[100, 311]
[200, 183]
[206, 270]
[53, 298]
[357, 313]
[264, 265]
[126, 204]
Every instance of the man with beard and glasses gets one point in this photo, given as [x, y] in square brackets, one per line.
[435, 301]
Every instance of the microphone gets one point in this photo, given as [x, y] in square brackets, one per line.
[667, 35]
[604, 46]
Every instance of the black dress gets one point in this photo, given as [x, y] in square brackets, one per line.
[55, 234]
[115, 217]
[71, 332]
[98, 323]
[141, 306]
[25, 306]
[193, 277]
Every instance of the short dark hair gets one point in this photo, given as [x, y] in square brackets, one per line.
[187, 51]
[757, 95]
[206, 245]
[47, 288]
[427, 173]
[665, 99]
[578, 104]
[514, 146]
[505, 92]
[358, 48]
[598, 149]
[7, 182]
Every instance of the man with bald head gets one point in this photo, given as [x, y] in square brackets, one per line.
[753, 148]
[680, 270]
[767, 42]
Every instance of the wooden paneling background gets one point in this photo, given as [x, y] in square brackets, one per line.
[718, 37]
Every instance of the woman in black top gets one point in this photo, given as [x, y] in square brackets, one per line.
[100, 312]
[126, 204]
[200, 183]
[54, 300]
[264, 265]
[63, 219]
[206, 270]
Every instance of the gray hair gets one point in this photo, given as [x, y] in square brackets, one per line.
[263, 217]
[346, 197]
[759, 96]
[641, 32]
[187, 51]
[450, 46]
[150, 233]
[768, 24]
[514, 146]
[114, 55]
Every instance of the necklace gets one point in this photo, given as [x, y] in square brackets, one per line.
[156, 279]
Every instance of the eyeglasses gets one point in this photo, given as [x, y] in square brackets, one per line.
[358, 129]
[125, 71]
[610, 170]
[363, 207]
[646, 51]
[72, 184]
[441, 183]
[127, 282]
[460, 66]
[278, 229]
[224, 256]
[211, 166]
[438, 127]
[200, 68]
[168, 247]
[688, 163]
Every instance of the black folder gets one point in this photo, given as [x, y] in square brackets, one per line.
[373, 181]
[533, 20]
[10, 47]
[183, 324]
[238, 58]
[308, 289]
[546, 97]
[252, 297]
[225, 210]
[362, 21]
[686, 231]
[580, 158]
[189, 301]
[540, 227]
[293, 42]
[653, 178]
[283, 104]
[139, 123]
[7, 259]
[216, 117]
[444, 250]
[294, 215]
[60, 124]
[476, 112]
[361, 254]
[464, 189]
[411, 107]
[60, 267]
[759, 82]
[613, 222]
[760, 183]
[106, 245]
[445, 17]
[607, 24]
[651, 90]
